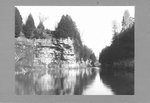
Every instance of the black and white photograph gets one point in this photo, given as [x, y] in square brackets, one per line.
[74, 50]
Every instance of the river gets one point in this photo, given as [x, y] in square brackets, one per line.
[67, 81]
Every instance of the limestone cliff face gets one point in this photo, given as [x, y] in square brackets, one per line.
[55, 52]
[46, 53]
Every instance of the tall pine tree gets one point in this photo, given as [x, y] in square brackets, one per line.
[18, 22]
[29, 27]
[125, 20]
[66, 28]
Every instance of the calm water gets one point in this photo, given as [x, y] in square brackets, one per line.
[82, 81]
[70, 82]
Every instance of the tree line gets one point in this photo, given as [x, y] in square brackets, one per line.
[66, 28]
[122, 46]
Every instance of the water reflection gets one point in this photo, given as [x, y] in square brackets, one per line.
[67, 82]
[34, 75]
[35, 83]
[98, 87]
[120, 84]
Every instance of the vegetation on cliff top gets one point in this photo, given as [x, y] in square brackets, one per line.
[65, 29]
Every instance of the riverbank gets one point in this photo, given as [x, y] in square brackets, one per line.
[124, 69]
[119, 76]
[29, 56]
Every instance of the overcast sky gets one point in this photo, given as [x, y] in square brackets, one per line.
[94, 22]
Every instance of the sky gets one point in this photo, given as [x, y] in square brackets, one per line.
[93, 22]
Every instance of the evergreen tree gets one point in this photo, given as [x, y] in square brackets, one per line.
[38, 32]
[115, 31]
[122, 46]
[93, 59]
[18, 22]
[41, 28]
[66, 28]
[29, 27]
[125, 20]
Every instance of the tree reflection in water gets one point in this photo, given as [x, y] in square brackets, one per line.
[120, 84]
[97, 87]
[38, 76]
[41, 78]
[66, 81]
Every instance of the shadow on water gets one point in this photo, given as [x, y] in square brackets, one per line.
[82, 81]
[121, 83]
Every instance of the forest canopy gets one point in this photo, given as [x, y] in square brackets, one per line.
[122, 46]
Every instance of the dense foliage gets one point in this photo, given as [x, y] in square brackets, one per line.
[122, 47]
[65, 29]
[18, 22]
[29, 27]
[39, 31]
